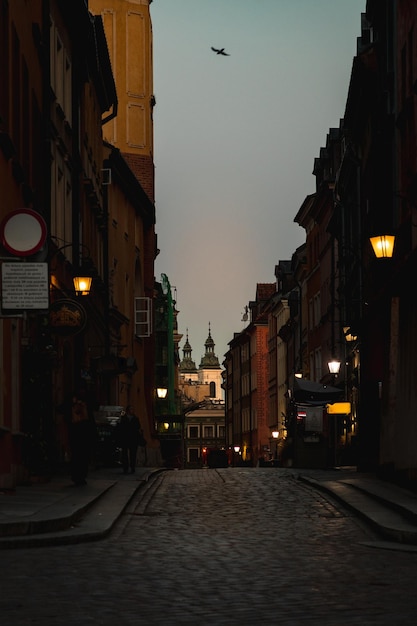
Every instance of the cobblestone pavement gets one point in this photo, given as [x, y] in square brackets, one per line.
[221, 547]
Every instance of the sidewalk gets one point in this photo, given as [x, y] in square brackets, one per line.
[390, 510]
[57, 512]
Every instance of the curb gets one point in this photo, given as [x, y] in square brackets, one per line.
[90, 522]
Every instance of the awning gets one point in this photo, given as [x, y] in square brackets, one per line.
[315, 393]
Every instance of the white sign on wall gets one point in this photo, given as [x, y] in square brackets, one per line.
[25, 286]
[314, 419]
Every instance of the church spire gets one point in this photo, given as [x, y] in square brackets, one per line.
[209, 360]
[187, 365]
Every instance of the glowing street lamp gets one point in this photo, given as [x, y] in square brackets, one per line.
[334, 366]
[383, 246]
[82, 285]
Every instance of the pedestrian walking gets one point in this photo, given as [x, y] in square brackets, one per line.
[82, 434]
[142, 446]
[129, 432]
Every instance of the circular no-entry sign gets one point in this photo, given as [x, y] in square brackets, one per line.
[23, 232]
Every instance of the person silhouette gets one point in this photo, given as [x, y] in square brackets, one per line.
[129, 434]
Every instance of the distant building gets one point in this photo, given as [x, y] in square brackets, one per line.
[187, 368]
[210, 370]
[196, 384]
[205, 436]
[246, 384]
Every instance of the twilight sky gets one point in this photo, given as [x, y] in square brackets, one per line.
[235, 143]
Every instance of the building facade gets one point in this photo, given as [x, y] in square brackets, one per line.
[353, 307]
[89, 209]
[376, 197]
[130, 204]
[246, 385]
[21, 134]
[206, 381]
[204, 435]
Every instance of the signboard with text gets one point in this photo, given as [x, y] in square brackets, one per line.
[24, 286]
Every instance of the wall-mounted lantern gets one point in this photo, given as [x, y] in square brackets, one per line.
[82, 285]
[383, 246]
[82, 280]
[334, 366]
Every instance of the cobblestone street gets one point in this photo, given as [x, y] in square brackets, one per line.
[217, 547]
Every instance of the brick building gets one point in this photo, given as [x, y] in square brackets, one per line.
[246, 385]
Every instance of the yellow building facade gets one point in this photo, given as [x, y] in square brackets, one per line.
[130, 205]
[128, 29]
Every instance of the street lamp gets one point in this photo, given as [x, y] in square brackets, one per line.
[162, 392]
[275, 435]
[383, 246]
[82, 278]
[82, 285]
[334, 366]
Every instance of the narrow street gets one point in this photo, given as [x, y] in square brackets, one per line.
[217, 547]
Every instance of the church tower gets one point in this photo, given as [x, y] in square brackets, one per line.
[188, 368]
[210, 371]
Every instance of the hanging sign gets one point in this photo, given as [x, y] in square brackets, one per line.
[67, 317]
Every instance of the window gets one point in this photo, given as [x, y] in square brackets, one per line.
[317, 309]
[16, 93]
[60, 69]
[193, 432]
[246, 425]
[61, 199]
[317, 364]
[67, 88]
[143, 317]
[310, 314]
[59, 64]
[208, 431]
[221, 432]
